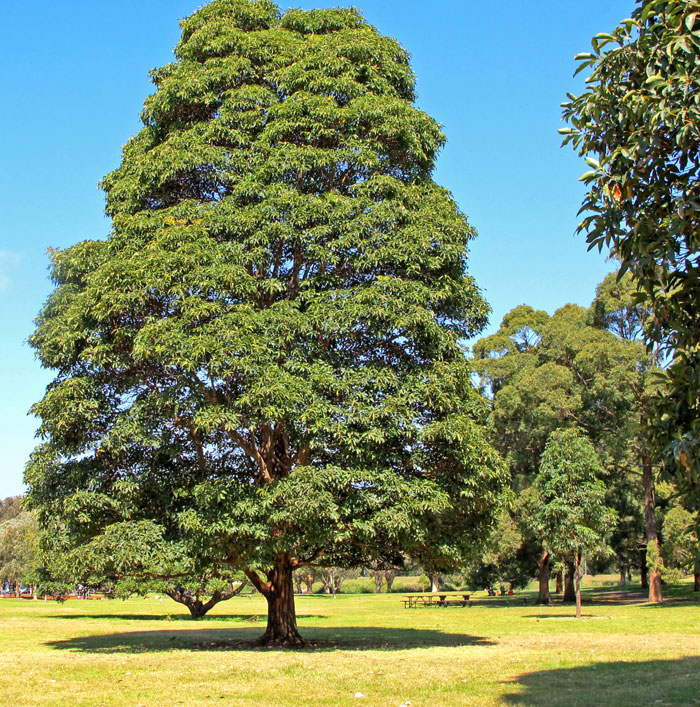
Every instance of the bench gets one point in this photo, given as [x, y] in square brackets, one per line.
[413, 601]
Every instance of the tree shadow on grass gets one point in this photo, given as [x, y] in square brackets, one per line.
[178, 617]
[320, 639]
[600, 596]
[619, 683]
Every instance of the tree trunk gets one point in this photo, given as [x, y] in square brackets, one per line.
[643, 570]
[560, 582]
[577, 570]
[653, 554]
[435, 583]
[381, 575]
[281, 614]
[569, 591]
[543, 567]
[623, 576]
[696, 572]
[629, 573]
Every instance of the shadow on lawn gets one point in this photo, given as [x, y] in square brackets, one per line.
[352, 638]
[600, 596]
[616, 683]
[178, 617]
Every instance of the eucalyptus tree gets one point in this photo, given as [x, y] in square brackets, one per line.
[551, 372]
[573, 519]
[261, 365]
[638, 126]
[619, 308]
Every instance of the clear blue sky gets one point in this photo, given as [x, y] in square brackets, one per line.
[74, 80]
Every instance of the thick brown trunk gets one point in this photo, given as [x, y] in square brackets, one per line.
[281, 614]
[577, 573]
[569, 591]
[378, 581]
[390, 576]
[653, 554]
[623, 576]
[543, 567]
[434, 583]
[643, 570]
[560, 582]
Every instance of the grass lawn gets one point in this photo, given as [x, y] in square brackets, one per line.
[499, 651]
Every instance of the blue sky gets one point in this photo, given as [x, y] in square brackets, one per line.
[492, 74]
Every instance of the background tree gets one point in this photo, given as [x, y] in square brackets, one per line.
[547, 373]
[616, 308]
[638, 126]
[680, 548]
[19, 552]
[10, 508]
[573, 519]
[261, 366]
[507, 556]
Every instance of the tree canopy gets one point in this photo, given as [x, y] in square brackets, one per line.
[573, 518]
[261, 366]
[638, 126]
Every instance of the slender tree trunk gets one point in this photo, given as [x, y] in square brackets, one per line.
[569, 591]
[644, 571]
[281, 614]
[577, 571]
[622, 575]
[390, 577]
[653, 554]
[378, 581]
[696, 572]
[435, 583]
[560, 581]
[197, 607]
[629, 573]
[543, 568]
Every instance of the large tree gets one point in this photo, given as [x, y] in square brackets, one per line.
[262, 363]
[638, 126]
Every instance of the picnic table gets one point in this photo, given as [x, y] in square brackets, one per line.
[413, 601]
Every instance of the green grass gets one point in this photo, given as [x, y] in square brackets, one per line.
[499, 651]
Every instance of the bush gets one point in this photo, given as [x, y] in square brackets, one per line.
[361, 585]
[410, 585]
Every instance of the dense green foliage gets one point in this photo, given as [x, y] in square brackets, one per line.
[19, 551]
[583, 368]
[261, 366]
[573, 518]
[550, 372]
[638, 125]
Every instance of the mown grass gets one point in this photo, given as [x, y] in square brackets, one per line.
[499, 651]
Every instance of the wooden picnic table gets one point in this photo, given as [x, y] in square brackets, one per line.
[413, 601]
